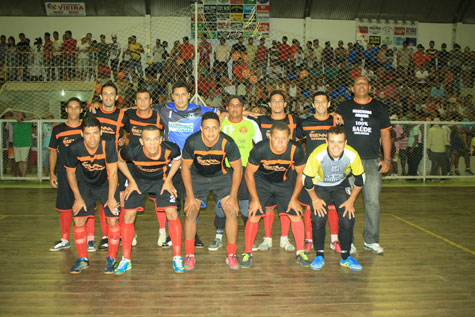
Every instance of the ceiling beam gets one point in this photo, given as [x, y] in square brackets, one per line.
[148, 7]
[461, 11]
[308, 9]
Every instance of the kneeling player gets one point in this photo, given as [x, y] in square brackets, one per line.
[326, 181]
[203, 171]
[149, 174]
[91, 167]
[274, 173]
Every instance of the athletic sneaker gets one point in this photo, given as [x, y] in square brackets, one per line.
[110, 265]
[81, 264]
[255, 247]
[335, 246]
[374, 247]
[91, 246]
[286, 245]
[189, 262]
[351, 263]
[168, 243]
[215, 245]
[134, 240]
[308, 246]
[457, 172]
[198, 243]
[317, 263]
[178, 264]
[162, 238]
[246, 261]
[302, 259]
[353, 249]
[104, 243]
[232, 262]
[265, 245]
[59, 245]
[468, 172]
[124, 266]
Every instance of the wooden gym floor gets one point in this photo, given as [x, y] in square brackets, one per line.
[428, 268]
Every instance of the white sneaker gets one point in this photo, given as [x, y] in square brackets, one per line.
[162, 237]
[353, 249]
[374, 247]
[286, 245]
[134, 241]
[255, 247]
[265, 245]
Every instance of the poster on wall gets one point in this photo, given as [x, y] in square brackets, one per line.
[231, 19]
[65, 9]
[390, 33]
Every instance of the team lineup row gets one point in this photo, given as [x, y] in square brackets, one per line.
[185, 151]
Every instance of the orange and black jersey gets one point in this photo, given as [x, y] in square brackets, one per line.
[92, 165]
[266, 122]
[134, 124]
[209, 160]
[112, 123]
[274, 166]
[61, 137]
[144, 167]
[315, 131]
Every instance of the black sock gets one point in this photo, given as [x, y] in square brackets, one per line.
[321, 253]
[345, 254]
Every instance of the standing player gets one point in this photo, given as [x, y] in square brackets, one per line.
[149, 174]
[111, 119]
[274, 173]
[245, 133]
[278, 107]
[134, 122]
[61, 137]
[91, 167]
[326, 180]
[367, 127]
[203, 171]
[180, 119]
[314, 129]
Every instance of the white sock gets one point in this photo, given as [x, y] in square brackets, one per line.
[219, 236]
[162, 231]
[334, 237]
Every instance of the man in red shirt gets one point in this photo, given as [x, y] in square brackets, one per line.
[284, 54]
[420, 57]
[187, 54]
[262, 56]
[69, 54]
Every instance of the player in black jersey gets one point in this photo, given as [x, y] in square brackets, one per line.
[61, 137]
[274, 173]
[134, 122]
[149, 173]
[111, 119]
[204, 170]
[91, 167]
[314, 130]
[278, 107]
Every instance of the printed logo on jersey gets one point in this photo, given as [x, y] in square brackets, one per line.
[92, 167]
[181, 127]
[314, 135]
[362, 127]
[107, 130]
[67, 141]
[243, 130]
[207, 162]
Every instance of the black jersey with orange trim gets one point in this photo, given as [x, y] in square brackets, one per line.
[363, 125]
[315, 131]
[144, 167]
[266, 122]
[274, 167]
[134, 124]
[112, 123]
[91, 166]
[61, 137]
[209, 160]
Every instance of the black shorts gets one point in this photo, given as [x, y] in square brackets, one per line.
[122, 181]
[275, 194]
[333, 195]
[136, 201]
[243, 193]
[219, 184]
[91, 194]
[65, 196]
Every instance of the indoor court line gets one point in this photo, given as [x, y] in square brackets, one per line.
[3, 217]
[434, 235]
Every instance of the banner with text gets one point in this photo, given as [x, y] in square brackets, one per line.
[65, 8]
[391, 33]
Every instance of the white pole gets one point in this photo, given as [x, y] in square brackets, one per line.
[196, 96]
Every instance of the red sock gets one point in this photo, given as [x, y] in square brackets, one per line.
[308, 223]
[231, 247]
[174, 228]
[102, 217]
[250, 235]
[121, 215]
[298, 231]
[90, 224]
[114, 236]
[128, 232]
[268, 222]
[333, 219]
[65, 220]
[189, 247]
[284, 225]
[162, 218]
[80, 241]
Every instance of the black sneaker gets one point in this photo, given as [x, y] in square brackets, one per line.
[468, 172]
[198, 243]
[104, 244]
[168, 243]
[457, 172]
